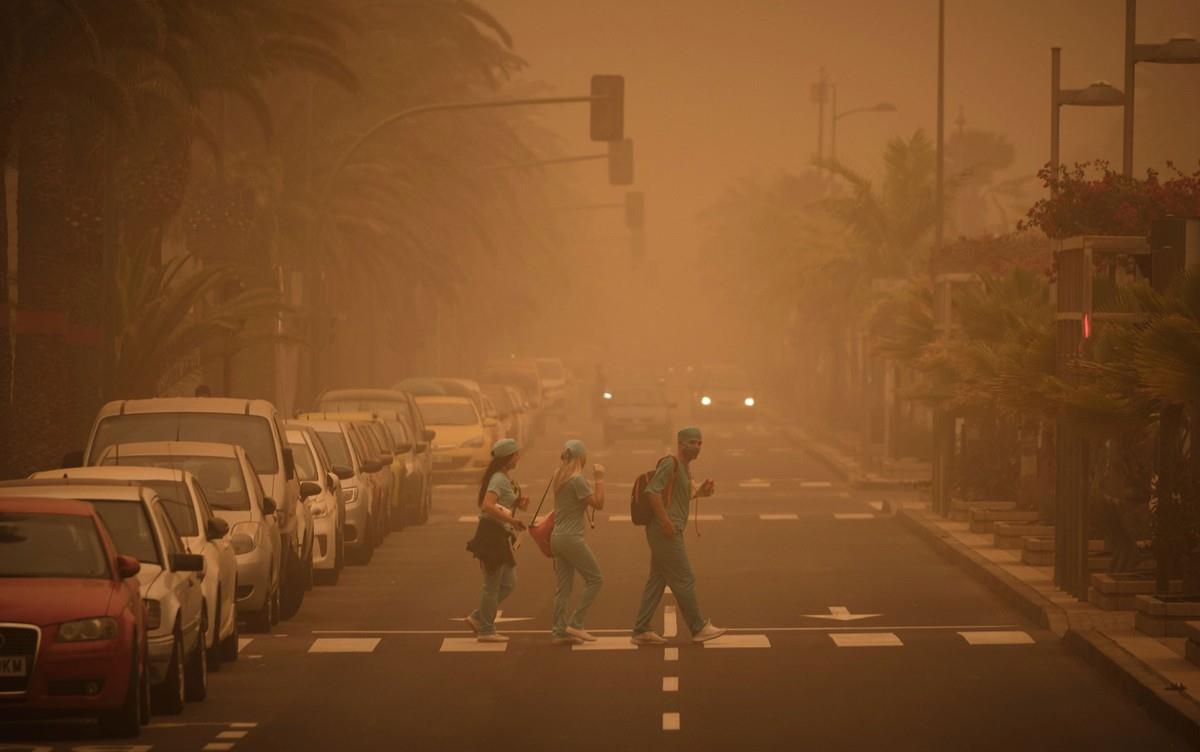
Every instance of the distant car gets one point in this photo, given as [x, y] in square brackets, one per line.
[169, 578]
[637, 410]
[355, 470]
[203, 533]
[321, 489]
[232, 490]
[724, 392]
[509, 411]
[72, 622]
[553, 375]
[461, 451]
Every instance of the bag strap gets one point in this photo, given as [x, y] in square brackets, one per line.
[543, 501]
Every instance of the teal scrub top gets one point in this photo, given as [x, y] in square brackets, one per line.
[681, 495]
[506, 495]
[570, 506]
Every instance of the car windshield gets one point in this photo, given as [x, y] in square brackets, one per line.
[550, 369]
[336, 447]
[50, 545]
[220, 477]
[306, 464]
[250, 432]
[448, 413]
[636, 395]
[500, 399]
[175, 499]
[726, 379]
[130, 528]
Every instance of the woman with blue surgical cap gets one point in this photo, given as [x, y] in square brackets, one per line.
[573, 496]
[499, 499]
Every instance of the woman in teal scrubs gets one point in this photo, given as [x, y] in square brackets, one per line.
[573, 496]
[499, 499]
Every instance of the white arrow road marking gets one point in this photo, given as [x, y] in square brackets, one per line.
[866, 640]
[841, 613]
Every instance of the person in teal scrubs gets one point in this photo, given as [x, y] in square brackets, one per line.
[669, 565]
[573, 496]
[499, 499]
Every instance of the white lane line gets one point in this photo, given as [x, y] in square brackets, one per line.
[866, 640]
[469, 518]
[671, 654]
[232, 734]
[243, 642]
[619, 518]
[997, 638]
[670, 624]
[670, 683]
[816, 484]
[254, 657]
[754, 483]
[782, 450]
[876, 505]
[739, 641]
[853, 516]
[279, 635]
[344, 645]
[708, 517]
[471, 645]
[217, 746]
[670, 721]
[606, 643]
[243, 725]
[773, 517]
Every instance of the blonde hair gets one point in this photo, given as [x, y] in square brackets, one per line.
[570, 467]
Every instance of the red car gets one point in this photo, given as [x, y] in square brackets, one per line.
[72, 623]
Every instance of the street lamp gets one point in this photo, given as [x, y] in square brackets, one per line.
[1098, 94]
[1179, 50]
[881, 107]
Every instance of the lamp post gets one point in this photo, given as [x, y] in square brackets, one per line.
[1098, 94]
[881, 107]
[1179, 50]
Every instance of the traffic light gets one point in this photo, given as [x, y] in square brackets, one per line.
[635, 210]
[620, 162]
[608, 108]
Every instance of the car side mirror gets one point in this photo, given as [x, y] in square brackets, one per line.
[422, 447]
[268, 505]
[489, 423]
[289, 463]
[127, 567]
[309, 488]
[187, 562]
[386, 458]
[430, 435]
[332, 481]
[343, 472]
[216, 529]
[371, 466]
[74, 458]
[404, 449]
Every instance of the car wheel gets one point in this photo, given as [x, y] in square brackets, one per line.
[229, 646]
[126, 721]
[427, 501]
[196, 679]
[168, 697]
[214, 653]
[293, 587]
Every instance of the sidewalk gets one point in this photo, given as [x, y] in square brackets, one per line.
[839, 455]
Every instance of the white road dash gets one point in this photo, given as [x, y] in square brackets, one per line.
[997, 638]
[217, 746]
[344, 645]
[232, 734]
[670, 721]
[670, 683]
[243, 642]
[816, 484]
[754, 483]
[853, 516]
[775, 517]
[708, 517]
[866, 640]
[469, 518]
[876, 505]
[739, 641]
[605, 643]
[619, 518]
[671, 654]
[243, 725]
[670, 623]
[471, 645]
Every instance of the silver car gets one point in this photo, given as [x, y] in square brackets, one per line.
[349, 465]
[322, 492]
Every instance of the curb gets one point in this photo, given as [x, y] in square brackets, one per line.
[847, 471]
[796, 436]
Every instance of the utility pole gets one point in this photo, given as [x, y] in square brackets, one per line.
[941, 127]
[1130, 50]
[820, 92]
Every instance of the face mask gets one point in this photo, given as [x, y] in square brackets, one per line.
[690, 453]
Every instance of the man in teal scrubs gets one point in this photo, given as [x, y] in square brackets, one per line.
[669, 563]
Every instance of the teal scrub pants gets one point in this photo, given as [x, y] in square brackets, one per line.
[669, 565]
[572, 554]
[497, 585]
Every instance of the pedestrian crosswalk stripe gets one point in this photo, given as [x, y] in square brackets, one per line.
[670, 721]
[853, 516]
[243, 642]
[876, 505]
[471, 645]
[217, 746]
[739, 641]
[469, 518]
[232, 734]
[606, 643]
[670, 683]
[997, 638]
[344, 645]
[771, 517]
[671, 654]
[865, 640]
[619, 518]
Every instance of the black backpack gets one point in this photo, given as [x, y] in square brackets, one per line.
[640, 508]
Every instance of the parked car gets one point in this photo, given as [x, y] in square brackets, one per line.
[377, 464]
[254, 425]
[72, 622]
[399, 411]
[637, 410]
[231, 488]
[321, 489]
[169, 578]
[203, 533]
[509, 411]
[521, 373]
[461, 451]
[553, 376]
[355, 471]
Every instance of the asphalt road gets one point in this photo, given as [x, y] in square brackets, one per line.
[366, 665]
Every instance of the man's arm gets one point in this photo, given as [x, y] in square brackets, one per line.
[660, 513]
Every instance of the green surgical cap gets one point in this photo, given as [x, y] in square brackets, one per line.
[574, 448]
[690, 433]
[504, 448]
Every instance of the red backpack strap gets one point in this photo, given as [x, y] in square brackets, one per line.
[670, 489]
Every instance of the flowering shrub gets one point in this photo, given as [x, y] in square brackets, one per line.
[1091, 199]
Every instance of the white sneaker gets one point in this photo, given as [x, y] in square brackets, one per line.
[473, 623]
[582, 634]
[647, 638]
[708, 632]
[492, 638]
[568, 639]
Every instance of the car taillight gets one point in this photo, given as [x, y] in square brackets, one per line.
[153, 615]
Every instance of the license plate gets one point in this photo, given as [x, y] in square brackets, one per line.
[12, 665]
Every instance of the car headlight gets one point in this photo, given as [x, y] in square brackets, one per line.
[474, 443]
[88, 630]
[608, 395]
[153, 614]
[749, 402]
[706, 400]
[351, 495]
[244, 537]
[319, 511]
